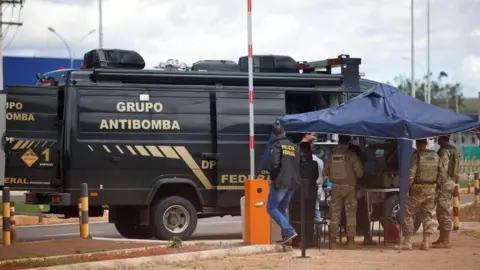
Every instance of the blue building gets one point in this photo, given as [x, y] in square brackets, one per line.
[23, 70]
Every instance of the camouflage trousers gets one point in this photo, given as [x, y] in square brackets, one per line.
[344, 195]
[420, 201]
[444, 205]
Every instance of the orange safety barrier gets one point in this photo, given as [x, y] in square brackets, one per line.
[257, 221]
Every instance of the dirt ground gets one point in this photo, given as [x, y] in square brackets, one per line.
[464, 255]
[79, 247]
[470, 213]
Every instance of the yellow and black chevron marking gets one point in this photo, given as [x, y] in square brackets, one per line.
[22, 144]
[159, 151]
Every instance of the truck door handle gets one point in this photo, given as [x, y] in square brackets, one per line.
[210, 155]
[15, 151]
[115, 159]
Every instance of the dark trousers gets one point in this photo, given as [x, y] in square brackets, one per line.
[295, 215]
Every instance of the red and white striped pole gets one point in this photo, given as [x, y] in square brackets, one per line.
[250, 89]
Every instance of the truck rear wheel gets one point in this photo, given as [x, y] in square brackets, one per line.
[131, 231]
[391, 209]
[174, 217]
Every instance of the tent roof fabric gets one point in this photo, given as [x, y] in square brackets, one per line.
[382, 111]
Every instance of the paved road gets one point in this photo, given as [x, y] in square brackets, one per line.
[16, 196]
[210, 228]
[467, 199]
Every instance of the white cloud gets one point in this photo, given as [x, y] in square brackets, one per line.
[378, 31]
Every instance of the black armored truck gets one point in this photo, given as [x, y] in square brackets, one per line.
[160, 148]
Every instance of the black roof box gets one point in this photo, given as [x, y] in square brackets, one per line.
[113, 58]
[215, 65]
[270, 64]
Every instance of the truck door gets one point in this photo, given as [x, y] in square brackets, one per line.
[30, 141]
[233, 138]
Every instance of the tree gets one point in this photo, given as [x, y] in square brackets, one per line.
[442, 94]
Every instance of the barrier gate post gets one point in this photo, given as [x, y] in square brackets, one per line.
[6, 216]
[257, 221]
[84, 229]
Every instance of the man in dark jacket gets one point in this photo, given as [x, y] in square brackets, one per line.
[285, 175]
[309, 175]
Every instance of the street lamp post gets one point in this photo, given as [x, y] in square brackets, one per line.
[412, 57]
[429, 94]
[426, 91]
[100, 25]
[87, 35]
[70, 53]
[65, 43]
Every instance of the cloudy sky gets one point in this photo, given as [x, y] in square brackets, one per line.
[378, 31]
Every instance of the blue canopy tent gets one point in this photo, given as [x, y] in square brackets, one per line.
[386, 112]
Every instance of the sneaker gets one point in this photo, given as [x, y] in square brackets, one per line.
[288, 238]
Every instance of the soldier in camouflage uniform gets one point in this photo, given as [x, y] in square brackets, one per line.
[426, 171]
[445, 189]
[343, 168]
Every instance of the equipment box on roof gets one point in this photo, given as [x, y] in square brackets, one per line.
[270, 64]
[215, 65]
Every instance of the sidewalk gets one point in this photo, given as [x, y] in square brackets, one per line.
[462, 256]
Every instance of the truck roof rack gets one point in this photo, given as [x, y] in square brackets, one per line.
[212, 78]
[349, 69]
[325, 66]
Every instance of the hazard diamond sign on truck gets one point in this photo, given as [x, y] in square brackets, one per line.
[29, 157]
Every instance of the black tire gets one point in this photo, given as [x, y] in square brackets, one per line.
[128, 230]
[391, 205]
[186, 210]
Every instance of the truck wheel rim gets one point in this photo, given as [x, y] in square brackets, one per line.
[176, 219]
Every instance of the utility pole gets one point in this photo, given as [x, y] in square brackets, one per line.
[3, 96]
[457, 110]
[429, 95]
[412, 52]
[100, 25]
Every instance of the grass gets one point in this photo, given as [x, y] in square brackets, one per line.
[28, 208]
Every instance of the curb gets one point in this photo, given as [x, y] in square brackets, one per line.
[110, 252]
[151, 261]
[466, 205]
[164, 242]
[460, 207]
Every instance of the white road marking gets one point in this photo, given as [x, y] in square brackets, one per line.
[200, 223]
[218, 223]
[106, 222]
[68, 234]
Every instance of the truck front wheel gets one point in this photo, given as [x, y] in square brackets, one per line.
[174, 217]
